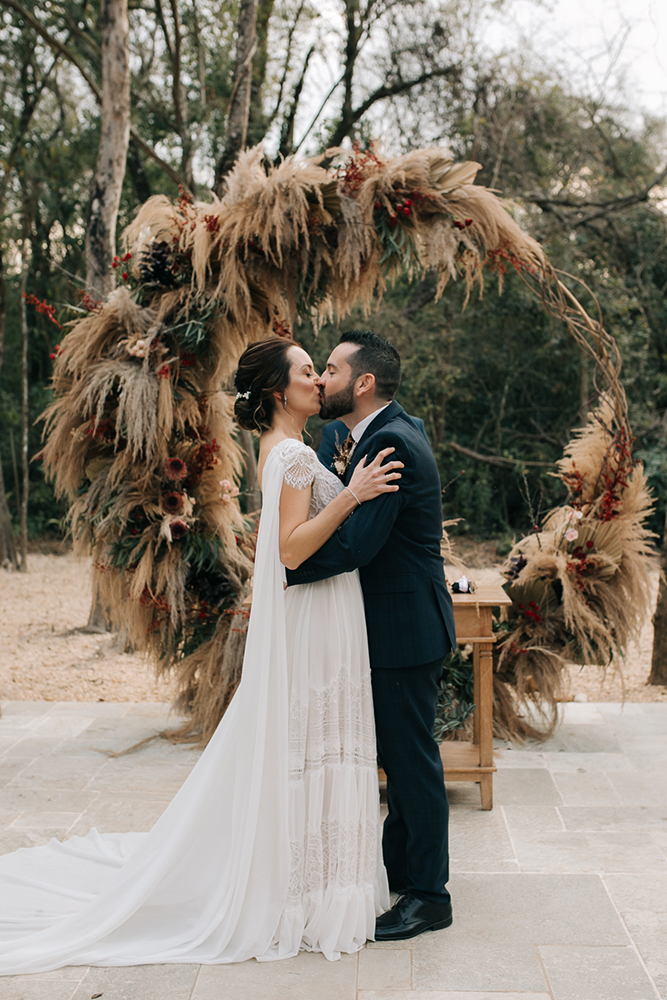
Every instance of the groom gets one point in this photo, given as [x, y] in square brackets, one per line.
[395, 543]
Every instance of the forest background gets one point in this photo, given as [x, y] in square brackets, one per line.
[499, 384]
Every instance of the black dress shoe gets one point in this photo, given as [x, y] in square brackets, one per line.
[410, 916]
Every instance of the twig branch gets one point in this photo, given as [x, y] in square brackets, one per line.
[601, 207]
[495, 459]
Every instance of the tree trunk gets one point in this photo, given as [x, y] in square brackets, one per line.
[25, 422]
[112, 153]
[257, 117]
[15, 471]
[109, 174]
[7, 547]
[239, 104]
[658, 673]
[253, 492]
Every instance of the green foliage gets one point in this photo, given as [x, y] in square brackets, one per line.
[455, 694]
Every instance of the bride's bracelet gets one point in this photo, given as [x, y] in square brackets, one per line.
[353, 494]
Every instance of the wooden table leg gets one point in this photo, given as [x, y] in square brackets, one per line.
[485, 716]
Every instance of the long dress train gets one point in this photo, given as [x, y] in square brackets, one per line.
[273, 842]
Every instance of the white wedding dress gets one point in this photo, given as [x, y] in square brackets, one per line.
[273, 843]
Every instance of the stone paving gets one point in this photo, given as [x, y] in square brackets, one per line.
[560, 893]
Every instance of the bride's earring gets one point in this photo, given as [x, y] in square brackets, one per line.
[284, 400]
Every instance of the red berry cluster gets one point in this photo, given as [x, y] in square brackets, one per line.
[205, 458]
[462, 225]
[240, 613]
[404, 207]
[498, 260]
[89, 303]
[212, 223]
[117, 261]
[55, 352]
[100, 430]
[532, 611]
[160, 606]
[574, 481]
[355, 172]
[281, 328]
[580, 551]
[42, 307]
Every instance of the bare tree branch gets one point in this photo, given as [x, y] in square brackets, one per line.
[286, 66]
[54, 44]
[601, 208]
[287, 130]
[348, 120]
[495, 459]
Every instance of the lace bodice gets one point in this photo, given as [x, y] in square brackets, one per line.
[303, 468]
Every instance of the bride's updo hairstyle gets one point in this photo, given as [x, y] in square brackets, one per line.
[263, 369]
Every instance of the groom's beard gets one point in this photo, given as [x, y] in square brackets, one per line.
[339, 404]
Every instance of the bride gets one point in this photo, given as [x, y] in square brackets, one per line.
[272, 845]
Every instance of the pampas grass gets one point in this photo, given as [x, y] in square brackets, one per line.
[139, 383]
[580, 586]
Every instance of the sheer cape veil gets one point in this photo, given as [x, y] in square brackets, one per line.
[188, 891]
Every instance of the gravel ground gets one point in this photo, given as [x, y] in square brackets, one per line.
[43, 657]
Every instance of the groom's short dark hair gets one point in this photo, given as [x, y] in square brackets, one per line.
[377, 356]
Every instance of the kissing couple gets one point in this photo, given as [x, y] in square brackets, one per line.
[274, 843]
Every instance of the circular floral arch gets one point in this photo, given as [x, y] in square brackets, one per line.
[140, 435]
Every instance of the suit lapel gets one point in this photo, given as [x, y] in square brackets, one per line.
[393, 410]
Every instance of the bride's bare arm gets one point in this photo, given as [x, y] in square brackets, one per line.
[300, 537]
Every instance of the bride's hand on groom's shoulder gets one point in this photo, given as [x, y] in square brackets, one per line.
[370, 481]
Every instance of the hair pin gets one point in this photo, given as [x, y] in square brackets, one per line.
[243, 395]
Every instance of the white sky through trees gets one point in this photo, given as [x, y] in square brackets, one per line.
[602, 43]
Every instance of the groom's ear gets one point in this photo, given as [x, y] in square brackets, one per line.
[365, 385]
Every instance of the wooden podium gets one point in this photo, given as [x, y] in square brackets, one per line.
[473, 761]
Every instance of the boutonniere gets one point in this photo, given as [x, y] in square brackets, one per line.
[343, 454]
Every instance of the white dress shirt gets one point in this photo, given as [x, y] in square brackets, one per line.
[359, 428]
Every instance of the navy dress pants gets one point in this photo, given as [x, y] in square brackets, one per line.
[415, 837]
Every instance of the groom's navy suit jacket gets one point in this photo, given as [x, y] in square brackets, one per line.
[394, 541]
[335, 432]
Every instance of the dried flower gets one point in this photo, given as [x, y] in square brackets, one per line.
[178, 529]
[226, 485]
[173, 502]
[571, 534]
[138, 349]
[175, 469]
